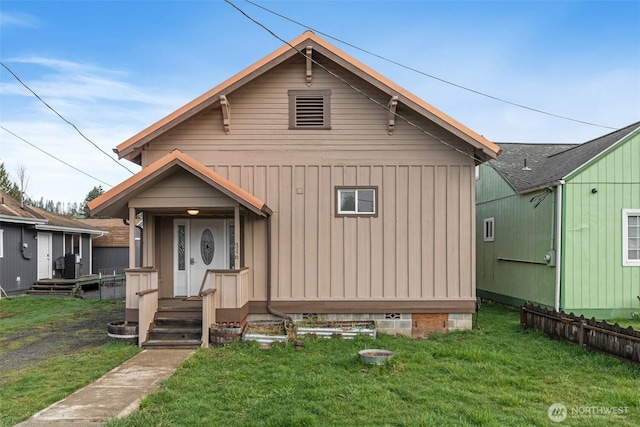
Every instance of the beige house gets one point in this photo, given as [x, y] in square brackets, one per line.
[307, 184]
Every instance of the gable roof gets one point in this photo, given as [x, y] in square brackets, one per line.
[13, 211]
[130, 149]
[114, 201]
[548, 164]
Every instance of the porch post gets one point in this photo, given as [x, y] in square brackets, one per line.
[132, 238]
[236, 244]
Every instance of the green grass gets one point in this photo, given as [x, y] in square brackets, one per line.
[21, 313]
[501, 375]
[32, 387]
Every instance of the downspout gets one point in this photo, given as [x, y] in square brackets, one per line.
[270, 309]
[556, 304]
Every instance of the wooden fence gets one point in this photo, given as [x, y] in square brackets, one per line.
[590, 333]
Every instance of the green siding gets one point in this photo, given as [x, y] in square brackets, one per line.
[594, 280]
[513, 265]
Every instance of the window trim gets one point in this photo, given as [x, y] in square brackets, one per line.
[1, 243]
[489, 232]
[626, 262]
[326, 108]
[347, 214]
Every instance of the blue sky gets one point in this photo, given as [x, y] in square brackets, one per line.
[114, 67]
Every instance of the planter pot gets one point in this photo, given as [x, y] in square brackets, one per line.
[375, 356]
[221, 335]
[126, 332]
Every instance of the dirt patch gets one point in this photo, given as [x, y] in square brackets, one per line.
[61, 338]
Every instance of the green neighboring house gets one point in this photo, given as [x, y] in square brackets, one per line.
[559, 225]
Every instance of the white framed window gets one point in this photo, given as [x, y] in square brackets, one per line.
[356, 201]
[1, 243]
[73, 244]
[631, 237]
[488, 233]
[477, 172]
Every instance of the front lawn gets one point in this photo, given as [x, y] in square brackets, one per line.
[501, 375]
[50, 347]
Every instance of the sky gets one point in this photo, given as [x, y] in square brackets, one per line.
[112, 68]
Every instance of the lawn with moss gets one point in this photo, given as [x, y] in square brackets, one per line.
[500, 375]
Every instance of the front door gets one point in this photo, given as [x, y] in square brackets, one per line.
[200, 245]
[45, 263]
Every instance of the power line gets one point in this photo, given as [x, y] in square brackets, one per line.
[54, 157]
[409, 122]
[65, 120]
[477, 92]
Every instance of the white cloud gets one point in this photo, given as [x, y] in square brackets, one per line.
[17, 19]
[103, 103]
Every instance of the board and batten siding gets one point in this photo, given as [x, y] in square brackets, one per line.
[420, 246]
[593, 275]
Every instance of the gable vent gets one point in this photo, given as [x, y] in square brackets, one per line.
[310, 111]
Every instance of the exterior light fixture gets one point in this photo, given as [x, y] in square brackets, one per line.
[193, 212]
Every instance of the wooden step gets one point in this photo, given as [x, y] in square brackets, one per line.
[169, 344]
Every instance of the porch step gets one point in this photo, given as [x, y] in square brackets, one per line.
[169, 344]
[169, 331]
[171, 334]
[53, 290]
[177, 322]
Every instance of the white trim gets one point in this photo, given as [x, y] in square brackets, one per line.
[556, 296]
[1, 243]
[489, 230]
[356, 211]
[626, 261]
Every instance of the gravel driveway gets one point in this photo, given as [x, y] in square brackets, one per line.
[61, 338]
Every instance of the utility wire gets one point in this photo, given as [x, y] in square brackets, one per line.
[361, 92]
[477, 92]
[51, 155]
[65, 120]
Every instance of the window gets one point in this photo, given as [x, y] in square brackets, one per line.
[72, 244]
[309, 109]
[488, 233]
[477, 171]
[631, 237]
[356, 201]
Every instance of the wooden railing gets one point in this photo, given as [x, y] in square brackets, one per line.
[208, 314]
[142, 295]
[222, 289]
[146, 312]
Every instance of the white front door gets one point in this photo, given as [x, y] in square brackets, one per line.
[45, 263]
[200, 245]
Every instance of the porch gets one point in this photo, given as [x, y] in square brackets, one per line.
[184, 322]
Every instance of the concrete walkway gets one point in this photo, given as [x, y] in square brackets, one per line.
[116, 394]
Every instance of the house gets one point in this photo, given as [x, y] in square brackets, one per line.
[305, 185]
[559, 225]
[36, 244]
[111, 250]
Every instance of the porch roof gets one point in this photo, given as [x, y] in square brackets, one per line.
[115, 201]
